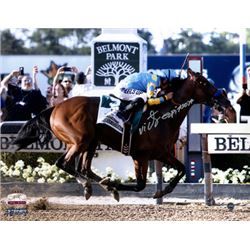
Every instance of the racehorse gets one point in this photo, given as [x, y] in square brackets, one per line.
[74, 122]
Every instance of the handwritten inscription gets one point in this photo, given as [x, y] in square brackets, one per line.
[153, 120]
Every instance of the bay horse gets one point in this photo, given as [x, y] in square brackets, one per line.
[74, 122]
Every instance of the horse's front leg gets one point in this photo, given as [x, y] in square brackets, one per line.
[173, 183]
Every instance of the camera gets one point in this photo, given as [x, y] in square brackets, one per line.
[21, 71]
[67, 68]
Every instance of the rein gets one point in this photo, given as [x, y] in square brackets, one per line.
[175, 103]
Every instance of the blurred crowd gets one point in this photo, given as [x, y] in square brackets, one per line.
[21, 97]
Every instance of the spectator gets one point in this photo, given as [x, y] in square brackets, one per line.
[244, 102]
[81, 86]
[4, 96]
[63, 84]
[49, 94]
[22, 101]
[88, 74]
[67, 83]
[59, 94]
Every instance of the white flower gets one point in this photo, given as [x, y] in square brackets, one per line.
[30, 179]
[68, 177]
[234, 180]
[4, 169]
[153, 178]
[55, 175]
[10, 172]
[61, 171]
[49, 180]
[37, 169]
[55, 179]
[25, 175]
[164, 169]
[54, 168]
[2, 163]
[131, 176]
[109, 170]
[34, 173]
[61, 180]
[40, 160]
[29, 169]
[19, 164]
[114, 177]
[16, 172]
[41, 180]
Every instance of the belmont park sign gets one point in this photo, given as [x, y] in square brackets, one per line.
[225, 138]
[117, 51]
[234, 144]
[114, 61]
[115, 54]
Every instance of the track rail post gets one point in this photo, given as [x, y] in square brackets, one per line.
[159, 180]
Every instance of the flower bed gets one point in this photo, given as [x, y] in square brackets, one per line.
[46, 173]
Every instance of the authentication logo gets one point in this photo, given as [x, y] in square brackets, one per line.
[16, 203]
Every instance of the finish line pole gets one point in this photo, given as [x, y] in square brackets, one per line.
[207, 168]
[243, 58]
[158, 170]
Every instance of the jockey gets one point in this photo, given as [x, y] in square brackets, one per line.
[141, 88]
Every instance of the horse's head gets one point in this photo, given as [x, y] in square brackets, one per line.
[220, 99]
[203, 91]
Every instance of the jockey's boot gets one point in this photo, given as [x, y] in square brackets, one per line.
[129, 112]
[126, 113]
[134, 105]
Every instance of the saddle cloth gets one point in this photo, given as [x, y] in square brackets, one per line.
[107, 114]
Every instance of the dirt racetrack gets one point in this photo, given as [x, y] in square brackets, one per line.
[55, 209]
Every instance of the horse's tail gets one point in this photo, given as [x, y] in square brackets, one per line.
[36, 129]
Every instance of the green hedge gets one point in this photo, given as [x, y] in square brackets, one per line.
[28, 157]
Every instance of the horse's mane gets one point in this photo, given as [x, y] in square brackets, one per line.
[176, 83]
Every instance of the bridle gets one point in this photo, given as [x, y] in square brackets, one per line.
[198, 82]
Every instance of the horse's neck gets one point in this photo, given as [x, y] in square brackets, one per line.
[178, 113]
[185, 91]
[181, 116]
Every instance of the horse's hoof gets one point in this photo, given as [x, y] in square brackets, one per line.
[105, 181]
[87, 192]
[87, 195]
[158, 194]
[116, 195]
[168, 189]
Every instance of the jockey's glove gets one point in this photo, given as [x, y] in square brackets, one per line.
[159, 100]
[166, 97]
[156, 101]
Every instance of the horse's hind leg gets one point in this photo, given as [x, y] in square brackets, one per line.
[173, 183]
[82, 179]
[71, 169]
[88, 161]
